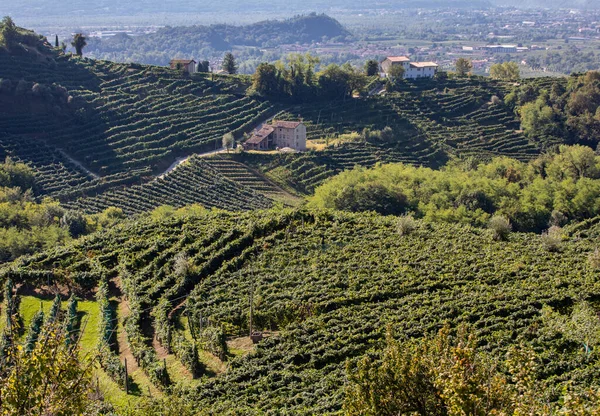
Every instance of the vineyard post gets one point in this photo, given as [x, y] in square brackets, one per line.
[126, 378]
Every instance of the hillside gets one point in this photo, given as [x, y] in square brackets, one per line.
[328, 284]
[99, 133]
[204, 41]
[86, 126]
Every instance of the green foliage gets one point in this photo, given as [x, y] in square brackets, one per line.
[53, 314]
[8, 32]
[371, 68]
[74, 222]
[229, 65]
[558, 109]
[71, 321]
[34, 330]
[295, 80]
[508, 71]
[79, 42]
[463, 66]
[213, 339]
[327, 282]
[107, 356]
[582, 327]
[406, 225]
[450, 375]
[228, 141]
[500, 227]
[528, 195]
[552, 239]
[396, 72]
[50, 379]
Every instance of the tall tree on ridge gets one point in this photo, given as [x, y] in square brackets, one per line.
[79, 42]
[229, 64]
[463, 66]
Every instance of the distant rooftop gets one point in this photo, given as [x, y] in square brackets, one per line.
[260, 135]
[423, 64]
[182, 61]
[398, 58]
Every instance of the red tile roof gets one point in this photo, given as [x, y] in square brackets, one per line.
[287, 124]
[260, 135]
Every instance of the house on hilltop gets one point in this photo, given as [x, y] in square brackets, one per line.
[279, 134]
[412, 70]
[187, 65]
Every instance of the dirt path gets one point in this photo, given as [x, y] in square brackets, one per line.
[78, 164]
[143, 384]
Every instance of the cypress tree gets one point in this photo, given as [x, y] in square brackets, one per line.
[56, 42]
[54, 309]
[229, 64]
[71, 320]
[34, 331]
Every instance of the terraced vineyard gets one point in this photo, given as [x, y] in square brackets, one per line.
[429, 117]
[101, 139]
[304, 172]
[244, 175]
[329, 283]
[194, 182]
[121, 121]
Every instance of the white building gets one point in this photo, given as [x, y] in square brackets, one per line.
[412, 70]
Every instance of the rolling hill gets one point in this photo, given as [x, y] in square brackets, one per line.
[325, 285]
[99, 133]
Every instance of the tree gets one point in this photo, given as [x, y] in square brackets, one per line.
[446, 375]
[79, 42]
[74, 222]
[396, 72]
[228, 140]
[204, 66]
[506, 71]
[463, 66]
[49, 380]
[371, 68]
[583, 326]
[56, 45]
[266, 80]
[8, 32]
[335, 82]
[229, 64]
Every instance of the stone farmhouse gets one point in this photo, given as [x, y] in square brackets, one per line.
[279, 134]
[412, 70]
[187, 65]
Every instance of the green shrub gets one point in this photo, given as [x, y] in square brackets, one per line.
[500, 227]
[406, 224]
[552, 239]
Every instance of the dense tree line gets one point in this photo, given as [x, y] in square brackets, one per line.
[567, 111]
[551, 190]
[296, 80]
